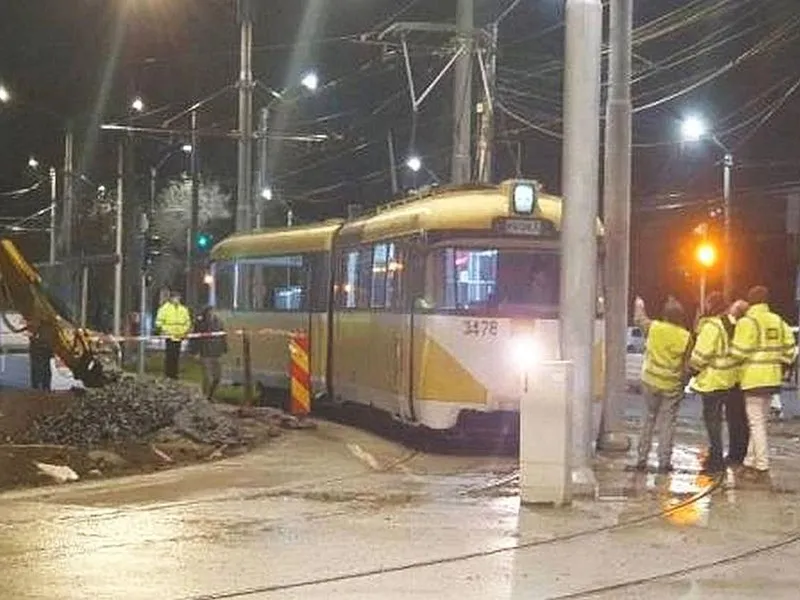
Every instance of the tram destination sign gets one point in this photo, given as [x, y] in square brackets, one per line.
[527, 227]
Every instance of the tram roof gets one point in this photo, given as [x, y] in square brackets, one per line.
[449, 209]
[467, 208]
[295, 240]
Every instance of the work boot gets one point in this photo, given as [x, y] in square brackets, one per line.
[754, 478]
[734, 462]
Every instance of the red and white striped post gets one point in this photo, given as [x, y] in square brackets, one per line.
[300, 375]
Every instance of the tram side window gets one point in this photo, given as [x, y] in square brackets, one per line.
[279, 283]
[387, 276]
[223, 285]
[396, 279]
[492, 279]
[381, 254]
[355, 277]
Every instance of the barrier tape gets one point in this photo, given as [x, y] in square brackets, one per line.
[190, 336]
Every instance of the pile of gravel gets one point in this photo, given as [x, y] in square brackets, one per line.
[131, 409]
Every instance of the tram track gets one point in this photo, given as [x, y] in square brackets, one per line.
[715, 485]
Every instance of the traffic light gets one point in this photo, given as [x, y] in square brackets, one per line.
[204, 241]
[152, 249]
[706, 254]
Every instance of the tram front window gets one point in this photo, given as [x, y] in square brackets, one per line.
[502, 281]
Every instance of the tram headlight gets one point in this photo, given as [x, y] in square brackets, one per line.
[524, 351]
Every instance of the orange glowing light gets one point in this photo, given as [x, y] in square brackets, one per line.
[706, 255]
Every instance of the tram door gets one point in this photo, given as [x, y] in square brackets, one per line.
[390, 329]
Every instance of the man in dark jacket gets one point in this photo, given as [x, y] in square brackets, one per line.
[210, 345]
[39, 354]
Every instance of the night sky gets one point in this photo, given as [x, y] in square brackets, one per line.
[82, 61]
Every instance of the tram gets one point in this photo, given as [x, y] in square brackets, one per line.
[425, 309]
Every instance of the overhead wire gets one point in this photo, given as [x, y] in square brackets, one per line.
[770, 113]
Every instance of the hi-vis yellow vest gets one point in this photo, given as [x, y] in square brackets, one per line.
[663, 357]
[762, 343]
[173, 320]
[712, 357]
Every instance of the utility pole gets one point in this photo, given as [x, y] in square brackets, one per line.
[727, 258]
[486, 110]
[263, 125]
[53, 196]
[617, 204]
[392, 163]
[119, 239]
[584, 34]
[194, 219]
[68, 206]
[244, 195]
[462, 95]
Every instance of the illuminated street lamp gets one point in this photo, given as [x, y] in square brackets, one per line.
[5, 95]
[310, 81]
[694, 129]
[414, 163]
[137, 104]
[33, 163]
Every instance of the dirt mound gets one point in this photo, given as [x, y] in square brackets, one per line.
[132, 409]
[135, 425]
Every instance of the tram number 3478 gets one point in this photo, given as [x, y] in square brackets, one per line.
[480, 328]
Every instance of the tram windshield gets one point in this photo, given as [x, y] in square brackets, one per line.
[492, 280]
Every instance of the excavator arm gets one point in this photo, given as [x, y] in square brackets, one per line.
[22, 287]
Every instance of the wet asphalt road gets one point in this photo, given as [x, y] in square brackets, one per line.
[339, 513]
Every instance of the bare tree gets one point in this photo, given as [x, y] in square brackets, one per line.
[172, 219]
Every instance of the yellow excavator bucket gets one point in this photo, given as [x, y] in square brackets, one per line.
[21, 286]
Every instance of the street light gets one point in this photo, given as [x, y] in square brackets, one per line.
[414, 163]
[694, 129]
[137, 104]
[33, 163]
[310, 81]
[5, 95]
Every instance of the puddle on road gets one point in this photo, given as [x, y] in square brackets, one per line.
[389, 498]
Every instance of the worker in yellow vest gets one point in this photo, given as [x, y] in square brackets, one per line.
[735, 413]
[174, 322]
[763, 344]
[715, 377]
[663, 382]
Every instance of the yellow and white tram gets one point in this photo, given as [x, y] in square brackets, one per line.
[425, 310]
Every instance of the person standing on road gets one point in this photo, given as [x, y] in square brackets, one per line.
[174, 322]
[715, 375]
[39, 355]
[735, 413]
[763, 344]
[211, 344]
[663, 370]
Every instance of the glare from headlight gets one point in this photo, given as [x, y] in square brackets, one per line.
[525, 351]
